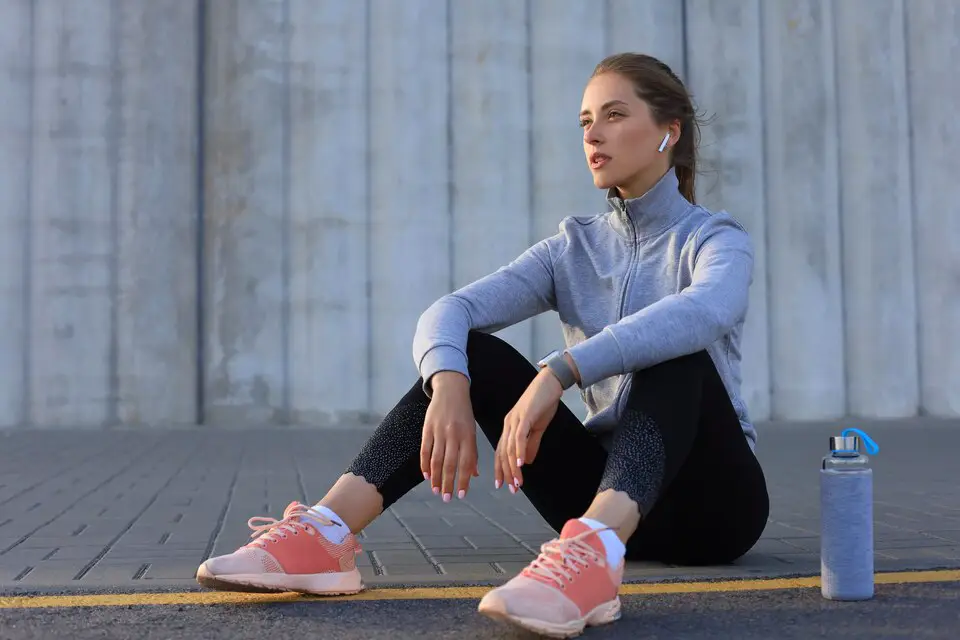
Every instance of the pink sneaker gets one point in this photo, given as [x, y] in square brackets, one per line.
[287, 555]
[567, 587]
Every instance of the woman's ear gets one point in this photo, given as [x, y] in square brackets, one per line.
[674, 132]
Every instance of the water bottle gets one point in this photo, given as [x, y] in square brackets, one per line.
[846, 518]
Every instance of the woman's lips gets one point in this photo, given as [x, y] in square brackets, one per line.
[597, 160]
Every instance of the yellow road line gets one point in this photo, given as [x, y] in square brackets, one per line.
[439, 593]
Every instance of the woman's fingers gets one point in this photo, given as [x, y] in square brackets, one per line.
[513, 459]
[451, 457]
[426, 450]
[521, 436]
[507, 440]
[436, 462]
[498, 477]
[467, 467]
[505, 469]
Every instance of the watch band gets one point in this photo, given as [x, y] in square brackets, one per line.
[559, 366]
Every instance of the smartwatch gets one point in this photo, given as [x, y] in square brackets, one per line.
[559, 367]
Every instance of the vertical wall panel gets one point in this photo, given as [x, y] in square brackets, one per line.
[15, 87]
[156, 305]
[361, 159]
[409, 181]
[933, 49]
[803, 225]
[875, 201]
[328, 210]
[73, 242]
[723, 63]
[246, 208]
[654, 27]
[490, 154]
[568, 39]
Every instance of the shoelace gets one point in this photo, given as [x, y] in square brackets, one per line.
[271, 528]
[560, 560]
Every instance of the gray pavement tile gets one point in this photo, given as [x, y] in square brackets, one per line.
[182, 570]
[391, 558]
[67, 553]
[439, 542]
[23, 557]
[410, 570]
[483, 541]
[773, 546]
[919, 541]
[109, 571]
[473, 571]
[482, 557]
[407, 545]
[953, 535]
[126, 507]
[368, 574]
[54, 572]
[804, 543]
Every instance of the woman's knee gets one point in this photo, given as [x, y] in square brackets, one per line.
[489, 353]
[692, 364]
[479, 343]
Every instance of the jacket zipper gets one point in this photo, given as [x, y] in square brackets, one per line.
[633, 251]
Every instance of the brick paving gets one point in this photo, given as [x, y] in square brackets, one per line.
[142, 509]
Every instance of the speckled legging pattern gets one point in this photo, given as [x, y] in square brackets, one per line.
[679, 452]
[390, 458]
[636, 461]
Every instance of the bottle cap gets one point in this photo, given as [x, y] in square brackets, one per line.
[845, 443]
[850, 440]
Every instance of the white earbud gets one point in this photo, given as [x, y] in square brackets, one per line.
[663, 144]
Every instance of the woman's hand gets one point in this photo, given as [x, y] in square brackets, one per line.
[449, 445]
[523, 428]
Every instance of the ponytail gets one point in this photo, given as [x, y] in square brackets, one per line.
[687, 178]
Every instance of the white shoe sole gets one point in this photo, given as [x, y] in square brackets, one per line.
[321, 584]
[603, 614]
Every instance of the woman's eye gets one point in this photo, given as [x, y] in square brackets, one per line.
[614, 113]
[584, 123]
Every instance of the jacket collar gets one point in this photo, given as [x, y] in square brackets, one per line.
[652, 213]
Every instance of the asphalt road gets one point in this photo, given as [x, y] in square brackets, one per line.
[915, 611]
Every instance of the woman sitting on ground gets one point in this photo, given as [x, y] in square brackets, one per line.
[652, 298]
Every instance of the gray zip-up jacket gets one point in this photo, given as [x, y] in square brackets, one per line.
[653, 279]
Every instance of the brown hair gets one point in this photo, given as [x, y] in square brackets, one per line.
[668, 99]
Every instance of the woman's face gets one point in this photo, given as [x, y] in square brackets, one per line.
[621, 138]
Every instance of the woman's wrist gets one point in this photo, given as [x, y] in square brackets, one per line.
[445, 381]
[573, 365]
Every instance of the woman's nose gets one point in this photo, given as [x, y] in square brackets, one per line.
[591, 134]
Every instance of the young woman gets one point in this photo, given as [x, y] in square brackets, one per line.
[652, 297]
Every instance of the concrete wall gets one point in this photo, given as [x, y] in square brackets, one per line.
[234, 212]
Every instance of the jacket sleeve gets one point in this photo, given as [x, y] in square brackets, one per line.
[514, 292]
[681, 323]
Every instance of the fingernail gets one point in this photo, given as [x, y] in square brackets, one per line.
[512, 489]
[426, 476]
[436, 491]
[462, 494]
[496, 484]
[516, 482]
[446, 497]
[519, 462]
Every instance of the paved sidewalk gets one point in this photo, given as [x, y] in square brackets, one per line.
[142, 509]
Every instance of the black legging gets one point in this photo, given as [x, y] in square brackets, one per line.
[679, 452]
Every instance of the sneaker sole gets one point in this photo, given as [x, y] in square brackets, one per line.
[604, 614]
[320, 584]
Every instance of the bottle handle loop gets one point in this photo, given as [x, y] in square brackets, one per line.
[872, 447]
